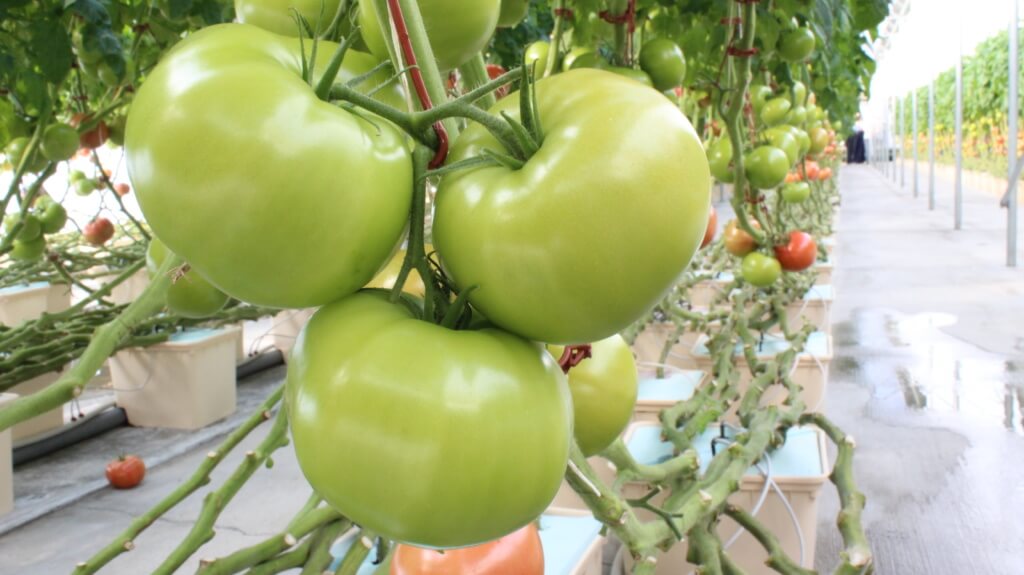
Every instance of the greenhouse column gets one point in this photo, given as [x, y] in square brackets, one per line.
[931, 145]
[901, 135]
[958, 192]
[913, 128]
[1011, 148]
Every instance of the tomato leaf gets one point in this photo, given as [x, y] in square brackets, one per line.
[50, 45]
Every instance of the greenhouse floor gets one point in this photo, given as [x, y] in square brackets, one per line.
[928, 377]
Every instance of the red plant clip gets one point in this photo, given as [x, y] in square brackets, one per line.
[565, 13]
[409, 56]
[731, 21]
[740, 52]
[628, 17]
[573, 355]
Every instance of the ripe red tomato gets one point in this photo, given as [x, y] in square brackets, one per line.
[126, 472]
[709, 233]
[98, 231]
[799, 254]
[737, 241]
[95, 137]
[495, 71]
[122, 189]
[518, 553]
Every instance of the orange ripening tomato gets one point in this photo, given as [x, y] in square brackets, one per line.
[709, 233]
[810, 170]
[825, 174]
[518, 553]
[793, 177]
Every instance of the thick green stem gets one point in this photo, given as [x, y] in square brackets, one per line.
[777, 558]
[357, 553]
[104, 342]
[215, 502]
[474, 74]
[554, 58]
[200, 477]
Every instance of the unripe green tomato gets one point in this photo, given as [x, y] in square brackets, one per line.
[766, 167]
[663, 60]
[537, 52]
[76, 176]
[801, 137]
[720, 160]
[819, 139]
[115, 128]
[797, 116]
[796, 45]
[85, 187]
[60, 142]
[588, 60]
[632, 74]
[799, 93]
[512, 12]
[28, 251]
[457, 29]
[17, 148]
[760, 270]
[87, 57]
[108, 76]
[759, 95]
[29, 231]
[782, 138]
[569, 61]
[52, 217]
[774, 111]
[278, 16]
[796, 192]
[603, 388]
[189, 295]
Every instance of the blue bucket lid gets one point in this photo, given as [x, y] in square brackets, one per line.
[678, 386]
[194, 335]
[799, 456]
[22, 287]
[773, 344]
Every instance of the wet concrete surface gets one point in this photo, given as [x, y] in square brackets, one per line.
[929, 379]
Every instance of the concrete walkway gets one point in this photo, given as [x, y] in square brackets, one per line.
[927, 377]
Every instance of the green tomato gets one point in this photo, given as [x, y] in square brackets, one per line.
[30, 250]
[52, 216]
[286, 201]
[85, 187]
[30, 229]
[796, 116]
[457, 29]
[766, 167]
[568, 62]
[278, 16]
[115, 129]
[421, 447]
[512, 12]
[588, 60]
[796, 45]
[14, 151]
[595, 235]
[189, 295]
[802, 138]
[60, 142]
[798, 93]
[537, 52]
[783, 139]
[759, 96]
[796, 192]
[720, 160]
[774, 111]
[632, 74]
[760, 270]
[603, 388]
[76, 176]
[663, 60]
[819, 139]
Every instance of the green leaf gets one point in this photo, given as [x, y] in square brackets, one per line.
[867, 14]
[51, 49]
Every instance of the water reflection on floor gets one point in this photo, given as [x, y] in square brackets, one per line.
[913, 364]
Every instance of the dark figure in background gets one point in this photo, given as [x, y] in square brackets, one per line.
[855, 153]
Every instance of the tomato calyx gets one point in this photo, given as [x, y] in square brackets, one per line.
[573, 355]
